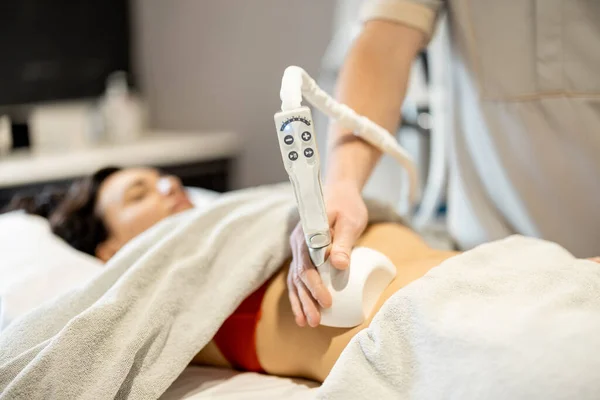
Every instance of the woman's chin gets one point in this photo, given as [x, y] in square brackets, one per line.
[183, 205]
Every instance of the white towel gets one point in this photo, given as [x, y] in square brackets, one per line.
[514, 319]
[133, 329]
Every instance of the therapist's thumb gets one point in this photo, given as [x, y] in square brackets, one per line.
[345, 234]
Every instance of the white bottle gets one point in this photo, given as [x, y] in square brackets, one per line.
[123, 116]
[5, 135]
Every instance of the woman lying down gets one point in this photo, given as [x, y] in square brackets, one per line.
[261, 335]
[116, 205]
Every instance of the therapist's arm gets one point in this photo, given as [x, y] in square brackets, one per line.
[373, 82]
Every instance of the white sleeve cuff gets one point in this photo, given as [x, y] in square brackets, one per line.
[419, 14]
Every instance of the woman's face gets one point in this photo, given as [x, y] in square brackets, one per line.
[132, 200]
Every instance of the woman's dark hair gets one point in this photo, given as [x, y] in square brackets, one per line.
[70, 211]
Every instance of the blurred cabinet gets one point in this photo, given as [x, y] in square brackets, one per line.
[203, 160]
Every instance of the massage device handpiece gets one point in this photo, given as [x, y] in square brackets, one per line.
[301, 160]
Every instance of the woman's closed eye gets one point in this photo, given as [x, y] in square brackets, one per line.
[137, 195]
[136, 192]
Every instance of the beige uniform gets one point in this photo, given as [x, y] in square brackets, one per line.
[526, 104]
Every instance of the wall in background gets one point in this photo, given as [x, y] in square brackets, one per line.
[209, 65]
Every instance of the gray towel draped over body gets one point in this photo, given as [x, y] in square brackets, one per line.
[132, 329]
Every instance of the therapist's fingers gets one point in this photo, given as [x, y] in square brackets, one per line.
[309, 276]
[295, 301]
[595, 259]
[346, 232]
[348, 218]
[309, 306]
[291, 278]
[305, 286]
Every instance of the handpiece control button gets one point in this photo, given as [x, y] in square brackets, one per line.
[308, 152]
[293, 155]
[289, 139]
[319, 240]
[306, 136]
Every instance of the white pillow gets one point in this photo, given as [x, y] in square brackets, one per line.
[35, 265]
[201, 197]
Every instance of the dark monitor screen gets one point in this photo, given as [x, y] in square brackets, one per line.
[60, 49]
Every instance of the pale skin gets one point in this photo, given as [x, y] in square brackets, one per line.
[130, 201]
[373, 82]
[285, 349]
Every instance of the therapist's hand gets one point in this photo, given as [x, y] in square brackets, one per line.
[348, 217]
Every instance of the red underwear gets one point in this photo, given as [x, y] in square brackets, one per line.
[236, 339]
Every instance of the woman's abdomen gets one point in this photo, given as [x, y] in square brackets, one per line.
[289, 350]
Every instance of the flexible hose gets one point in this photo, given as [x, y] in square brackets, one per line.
[296, 84]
